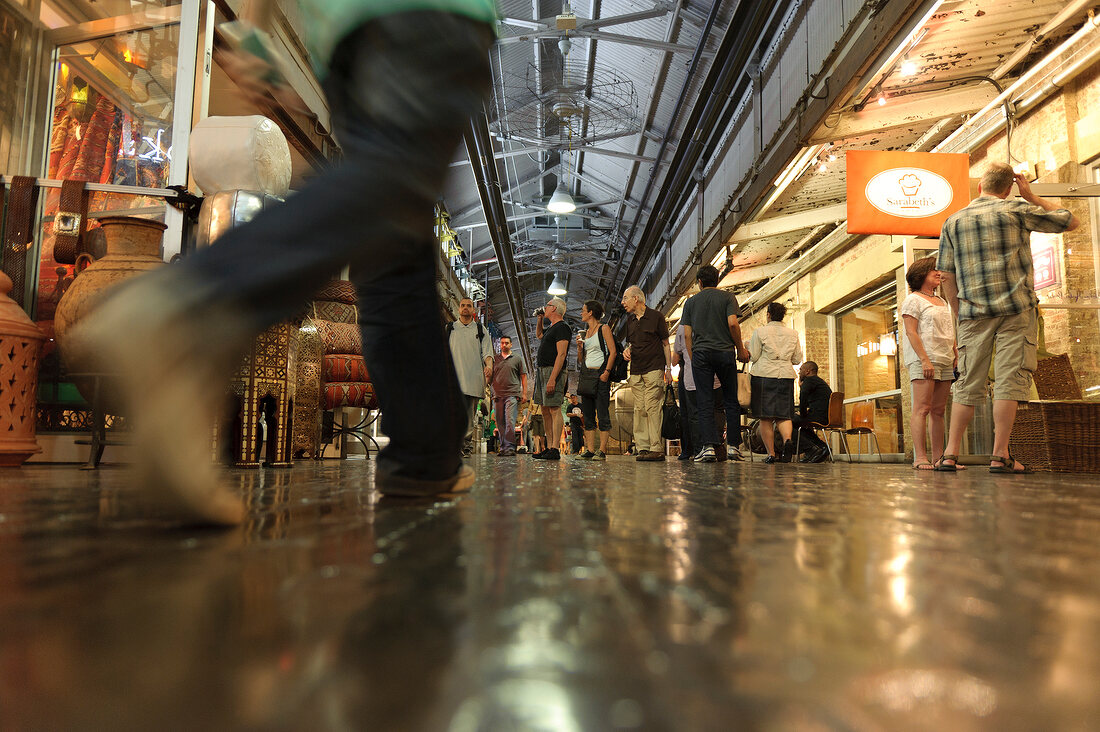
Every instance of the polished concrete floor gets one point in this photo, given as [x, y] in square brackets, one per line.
[558, 597]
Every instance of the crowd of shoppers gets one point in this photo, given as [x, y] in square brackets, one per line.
[983, 268]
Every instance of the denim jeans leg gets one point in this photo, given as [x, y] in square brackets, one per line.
[702, 367]
[726, 369]
[687, 445]
[372, 211]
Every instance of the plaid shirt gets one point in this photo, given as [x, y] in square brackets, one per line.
[987, 246]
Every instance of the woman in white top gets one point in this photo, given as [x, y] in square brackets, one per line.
[775, 350]
[930, 356]
[596, 353]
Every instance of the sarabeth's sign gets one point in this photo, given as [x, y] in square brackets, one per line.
[905, 193]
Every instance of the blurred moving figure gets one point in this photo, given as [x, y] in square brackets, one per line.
[402, 83]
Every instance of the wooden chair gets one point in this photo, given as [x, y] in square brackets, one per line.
[863, 423]
[835, 424]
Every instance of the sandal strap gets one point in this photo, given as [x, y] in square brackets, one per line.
[1001, 460]
[952, 458]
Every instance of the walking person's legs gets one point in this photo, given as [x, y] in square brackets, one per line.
[188, 324]
[603, 413]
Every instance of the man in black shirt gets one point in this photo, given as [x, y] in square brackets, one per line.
[551, 376]
[650, 360]
[813, 406]
[712, 338]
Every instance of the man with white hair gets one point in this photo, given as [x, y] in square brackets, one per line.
[551, 376]
[988, 278]
[650, 360]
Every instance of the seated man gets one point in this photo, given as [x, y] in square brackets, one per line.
[813, 406]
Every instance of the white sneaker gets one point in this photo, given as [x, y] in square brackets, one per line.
[706, 455]
[735, 455]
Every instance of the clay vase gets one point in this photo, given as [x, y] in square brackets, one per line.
[20, 345]
[133, 248]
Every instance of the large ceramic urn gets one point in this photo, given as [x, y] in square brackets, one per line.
[20, 344]
[133, 247]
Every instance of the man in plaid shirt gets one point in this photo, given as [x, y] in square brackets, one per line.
[985, 257]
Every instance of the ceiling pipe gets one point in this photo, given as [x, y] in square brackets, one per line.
[479, 148]
[734, 54]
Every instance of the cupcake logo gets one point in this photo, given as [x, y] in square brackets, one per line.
[910, 193]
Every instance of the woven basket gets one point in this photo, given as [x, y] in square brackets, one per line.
[1058, 436]
[1054, 379]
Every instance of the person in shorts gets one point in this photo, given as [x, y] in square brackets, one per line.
[930, 357]
[551, 376]
[988, 279]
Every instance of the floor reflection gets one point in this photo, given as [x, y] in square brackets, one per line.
[569, 596]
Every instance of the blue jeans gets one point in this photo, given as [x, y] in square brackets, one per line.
[402, 89]
[705, 365]
[507, 409]
[689, 424]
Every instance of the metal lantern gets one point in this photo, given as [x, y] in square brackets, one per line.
[20, 345]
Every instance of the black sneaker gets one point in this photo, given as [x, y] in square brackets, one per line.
[599, 455]
[552, 454]
[586, 455]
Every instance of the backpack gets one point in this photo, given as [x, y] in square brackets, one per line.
[620, 367]
[480, 331]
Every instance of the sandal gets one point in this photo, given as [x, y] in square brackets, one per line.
[943, 467]
[924, 466]
[1004, 465]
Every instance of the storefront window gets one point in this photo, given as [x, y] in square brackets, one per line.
[16, 58]
[110, 116]
[867, 356]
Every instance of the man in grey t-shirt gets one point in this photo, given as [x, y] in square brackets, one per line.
[472, 353]
[712, 339]
[509, 389]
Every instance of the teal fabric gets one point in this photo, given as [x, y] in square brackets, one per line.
[328, 21]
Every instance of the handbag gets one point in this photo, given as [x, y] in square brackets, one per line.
[587, 383]
[670, 412]
[744, 388]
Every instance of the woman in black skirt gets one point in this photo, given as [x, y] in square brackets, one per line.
[775, 350]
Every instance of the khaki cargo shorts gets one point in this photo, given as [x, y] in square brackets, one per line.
[1016, 338]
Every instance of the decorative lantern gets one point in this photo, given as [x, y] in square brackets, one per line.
[20, 344]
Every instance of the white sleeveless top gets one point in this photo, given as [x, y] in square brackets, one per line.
[593, 353]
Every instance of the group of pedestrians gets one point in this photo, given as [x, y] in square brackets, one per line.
[983, 268]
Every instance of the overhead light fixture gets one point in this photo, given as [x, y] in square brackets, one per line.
[882, 100]
[908, 68]
[561, 202]
[557, 287]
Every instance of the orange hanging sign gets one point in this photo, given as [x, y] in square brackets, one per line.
[905, 192]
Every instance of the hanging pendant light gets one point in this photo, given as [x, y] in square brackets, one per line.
[561, 202]
[557, 287]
